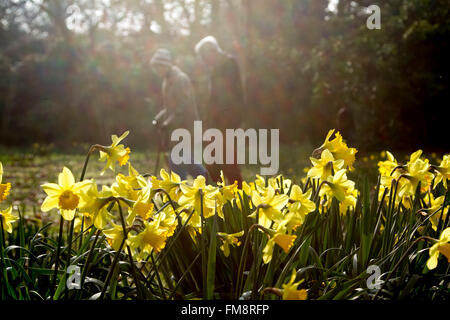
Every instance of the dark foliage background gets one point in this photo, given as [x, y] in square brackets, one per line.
[77, 71]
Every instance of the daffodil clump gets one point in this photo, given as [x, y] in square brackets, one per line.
[252, 237]
[415, 178]
[330, 164]
[153, 207]
[6, 215]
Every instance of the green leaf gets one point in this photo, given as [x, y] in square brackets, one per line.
[211, 265]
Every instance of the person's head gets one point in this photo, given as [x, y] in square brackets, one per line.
[161, 62]
[208, 50]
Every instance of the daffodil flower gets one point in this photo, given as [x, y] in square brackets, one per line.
[114, 236]
[386, 167]
[269, 206]
[279, 237]
[7, 219]
[436, 204]
[225, 193]
[299, 206]
[4, 187]
[171, 183]
[66, 195]
[441, 246]
[87, 221]
[168, 220]
[417, 171]
[95, 204]
[290, 291]
[323, 167]
[339, 149]
[300, 202]
[229, 240]
[152, 238]
[115, 152]
[337, 186]
[192, 199]
[247, 189]
[143, 209]
[443, 171]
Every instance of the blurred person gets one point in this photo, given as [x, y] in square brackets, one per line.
[225, 104]
[179, 109]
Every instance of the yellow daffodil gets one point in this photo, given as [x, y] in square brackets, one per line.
[436, 204]
[115, 152]
[191, 199]
[7, 219]
[143, 209]
[128, 186]
[270, 206]
[339, 149]
[299, 206]
[386, 167]
[114, 236]
[323, 167]
[279, 237]
[443, 171]
[170, 183]
[152, 238]
[4, 187]
[229, 240]
[441, 246]
[338, 186]
[349, 201]
[143, 206]
[290, 291]
[247, 188]
[285, 241]
[86, 222]
[95, 204]
[168, 220]
[300, 202]
[417, 171]
[66, 195]
[227, 192]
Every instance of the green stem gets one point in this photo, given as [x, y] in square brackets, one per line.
[86, 161]
[161, 288]
[88, 260]
[83, 173]
[186, 272]
[116, 257]
[132, 266]
[255, 258]
[243, 261]
[399, 262]
[69, 246]
[2, 241]
[3, 235]
[81, 232]
[58, 250]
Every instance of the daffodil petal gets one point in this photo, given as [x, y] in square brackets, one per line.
[49, 203]
[51, 189]
[65, 178]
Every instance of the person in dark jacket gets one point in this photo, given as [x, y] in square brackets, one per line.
[226, 100]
